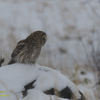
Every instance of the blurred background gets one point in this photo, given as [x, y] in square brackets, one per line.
[73, 35]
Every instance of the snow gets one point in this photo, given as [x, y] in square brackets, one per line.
[41, 96]
[89, 77]
[87, 92]
[14, 77]
[58, 19]
[63, 21]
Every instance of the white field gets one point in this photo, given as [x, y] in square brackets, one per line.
[64, 21]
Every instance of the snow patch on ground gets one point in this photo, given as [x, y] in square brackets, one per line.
[14, 77]
[63, 21]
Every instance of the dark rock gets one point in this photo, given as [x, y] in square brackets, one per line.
[27, 87]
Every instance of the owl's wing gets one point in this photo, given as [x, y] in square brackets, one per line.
[20, 45]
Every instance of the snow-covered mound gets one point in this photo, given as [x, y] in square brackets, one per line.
[35, 82]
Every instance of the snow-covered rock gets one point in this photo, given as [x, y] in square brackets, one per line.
[35, 82]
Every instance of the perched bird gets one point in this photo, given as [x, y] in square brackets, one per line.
[27, 51]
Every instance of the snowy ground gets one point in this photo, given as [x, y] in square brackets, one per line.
[64, 22]
[19, 75]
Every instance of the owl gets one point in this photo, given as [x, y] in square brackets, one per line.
[27, 51]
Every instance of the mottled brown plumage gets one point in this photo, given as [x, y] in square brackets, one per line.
[28, 50]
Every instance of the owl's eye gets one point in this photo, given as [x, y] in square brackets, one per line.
[43, 41]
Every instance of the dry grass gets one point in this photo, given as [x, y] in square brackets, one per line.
[47, 54]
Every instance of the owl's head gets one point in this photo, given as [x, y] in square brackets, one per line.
[43, 38]
[38, 37]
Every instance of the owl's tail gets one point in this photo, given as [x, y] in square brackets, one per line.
[11, 62]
